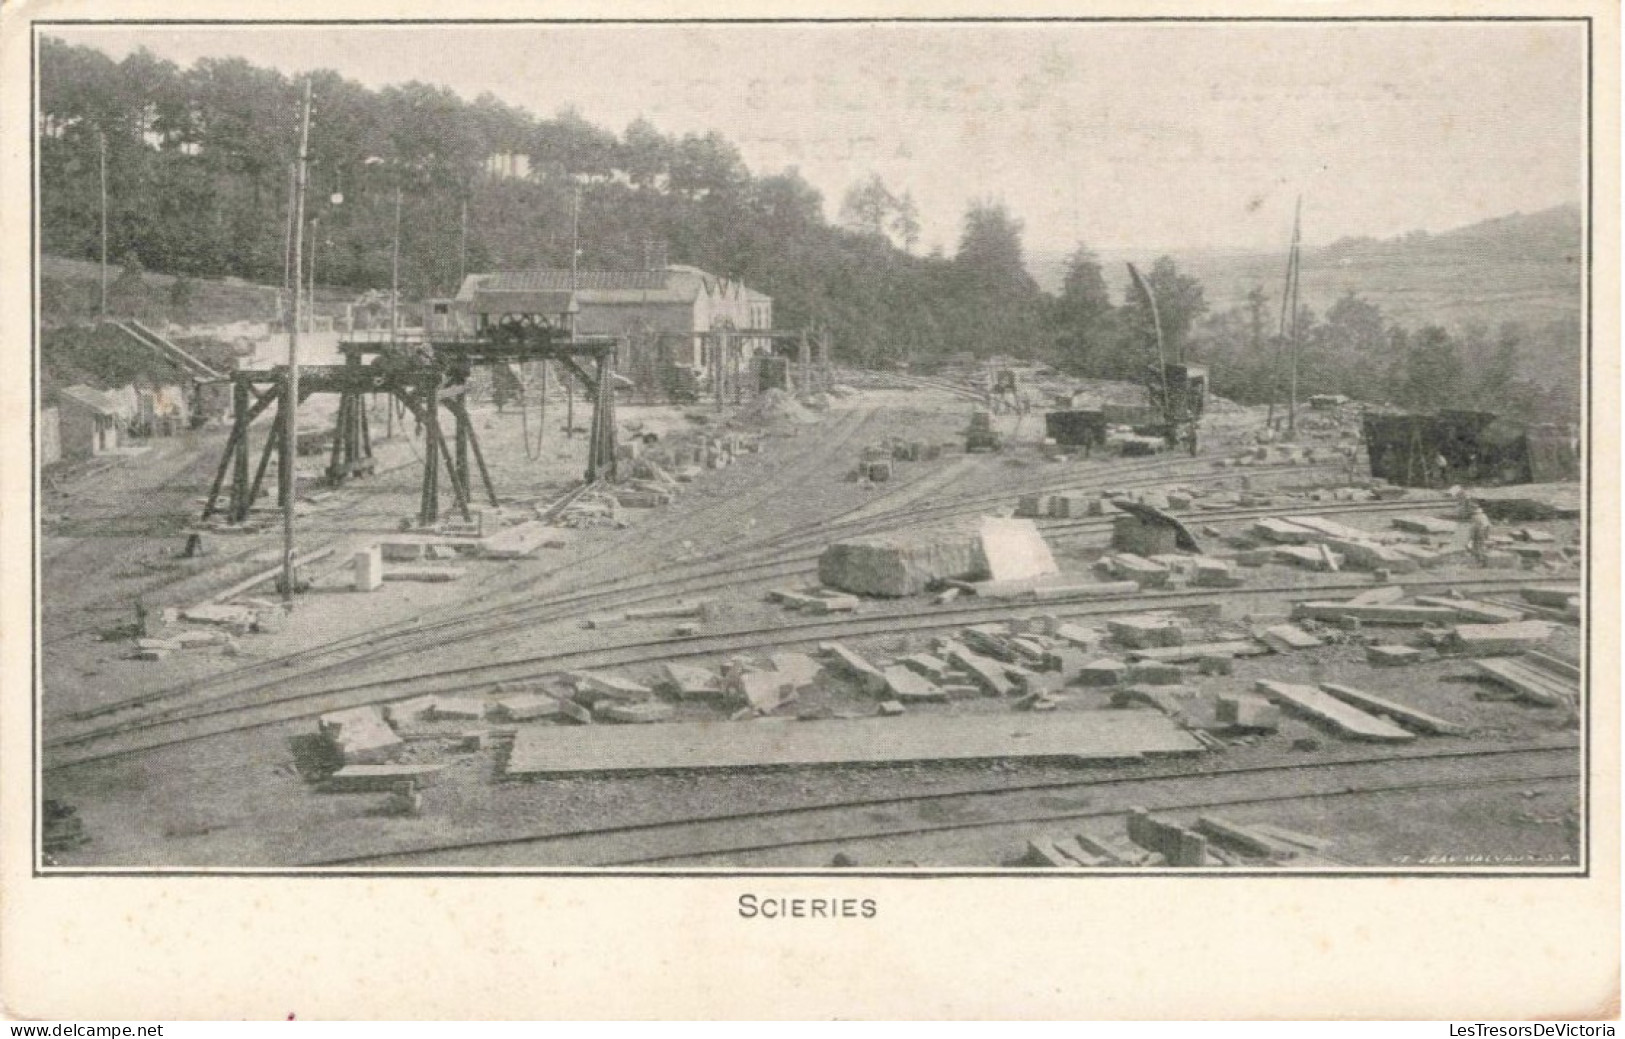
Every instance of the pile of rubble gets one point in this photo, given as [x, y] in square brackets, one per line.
[205, 626]
[776, 410]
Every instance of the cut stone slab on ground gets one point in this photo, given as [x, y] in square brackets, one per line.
[1013, 550]
[360, 735]
[1409, 717]
[681, 746]
[1328, 710]
[902, 563]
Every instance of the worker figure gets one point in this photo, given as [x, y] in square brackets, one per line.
[1479, 535]
[1464, 504]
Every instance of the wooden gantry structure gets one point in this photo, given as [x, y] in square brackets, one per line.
[425, 377]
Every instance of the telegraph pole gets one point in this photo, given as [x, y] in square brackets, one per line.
[395, 268]
[315, 243]
[101, 137]
[290, 404]
[462, 248]
[575, 275]
[1297, 276]
[288, 271]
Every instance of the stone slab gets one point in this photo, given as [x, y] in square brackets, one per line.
[368, 569]
[1345, 720]
[684, 746]
[845, 662]
[907, 685]
[1012, 549]
[357, 779]
[1409, 717]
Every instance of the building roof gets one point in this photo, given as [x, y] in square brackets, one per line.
[673, 284]
[94, 400]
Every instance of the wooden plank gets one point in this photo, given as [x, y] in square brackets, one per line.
[1409, 717]
[1101, 735]
[1343, 719]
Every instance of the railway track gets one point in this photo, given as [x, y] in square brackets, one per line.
[184, 725]
[850, 824]
[714, 574]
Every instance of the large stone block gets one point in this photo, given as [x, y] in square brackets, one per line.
[1013, 550]
[902, 563]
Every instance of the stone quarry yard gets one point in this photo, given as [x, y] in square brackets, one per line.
[211, 755]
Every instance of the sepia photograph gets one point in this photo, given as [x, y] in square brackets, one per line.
[967, 446]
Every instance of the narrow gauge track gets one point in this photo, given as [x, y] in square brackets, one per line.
[498, 620]
[519, 593]
[121, 738]
[990, 807]
[917, 382]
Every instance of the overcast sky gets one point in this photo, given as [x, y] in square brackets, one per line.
[1145, 136]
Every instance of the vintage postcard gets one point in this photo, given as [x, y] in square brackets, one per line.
[570, 512]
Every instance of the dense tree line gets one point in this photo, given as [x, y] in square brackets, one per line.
[199, 166]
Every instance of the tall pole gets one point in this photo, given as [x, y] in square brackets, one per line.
[315, 243]
[289, 272]
[575, 274]
[290, 422]
[462, 247]
[1297, 274]
[1286, 311]
[101, 137]
[395, 268]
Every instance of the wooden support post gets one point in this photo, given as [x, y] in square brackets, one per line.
[242, 419]
[541, 409]
[429, 501]
[463, 432]
[226, 458]
[238, 431]
[341, 431]
[259, 472]
[364, 444]
[437, 440]
[606, 408]
[239, 453]
[465, 420]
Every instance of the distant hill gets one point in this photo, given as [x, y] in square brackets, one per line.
[1522, 267]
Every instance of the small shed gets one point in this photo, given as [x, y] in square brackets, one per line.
[88, 422]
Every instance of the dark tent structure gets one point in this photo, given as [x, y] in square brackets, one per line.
[1468, 448]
